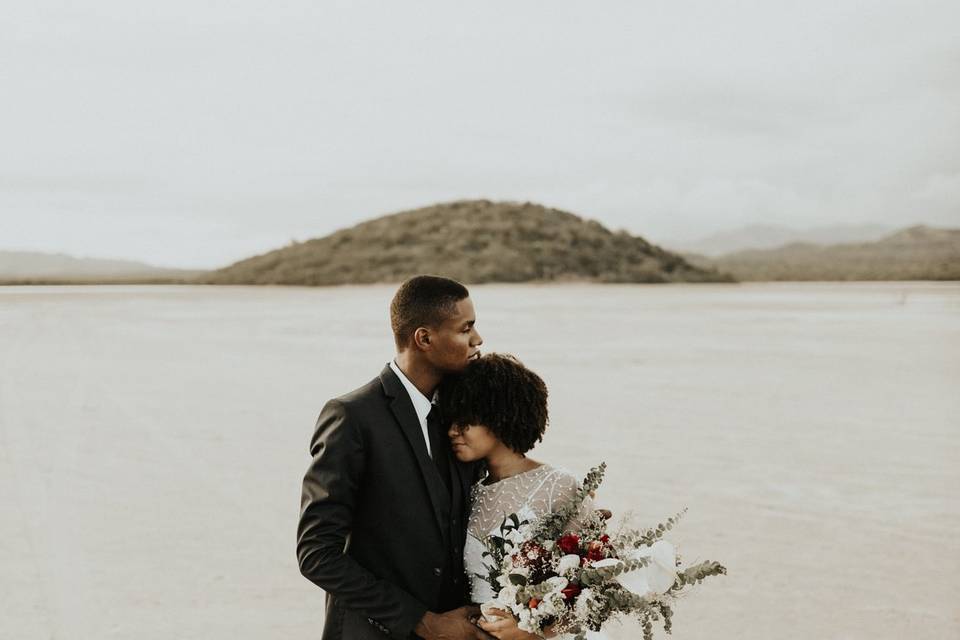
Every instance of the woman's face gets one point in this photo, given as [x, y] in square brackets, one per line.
[471, 442]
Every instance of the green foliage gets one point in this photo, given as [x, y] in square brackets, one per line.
[589, 577]
[498, 547]
[472, 241]
[646, 537]
[697, 573]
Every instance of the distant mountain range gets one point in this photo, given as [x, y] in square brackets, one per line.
[483, 241]
[760, 236]
[473, 241]
[915, 253]
[33, 266]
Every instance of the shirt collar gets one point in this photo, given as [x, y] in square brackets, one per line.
[421, 403]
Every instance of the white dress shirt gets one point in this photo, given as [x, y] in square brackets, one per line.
[421, 403]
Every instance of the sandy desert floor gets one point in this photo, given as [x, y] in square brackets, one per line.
[153, 439]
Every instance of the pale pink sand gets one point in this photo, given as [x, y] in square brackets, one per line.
[152, 441]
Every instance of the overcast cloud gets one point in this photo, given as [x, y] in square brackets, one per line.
[197, 133]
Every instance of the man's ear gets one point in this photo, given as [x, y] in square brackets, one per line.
[421, 338]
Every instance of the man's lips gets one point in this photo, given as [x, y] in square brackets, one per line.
[474, 356]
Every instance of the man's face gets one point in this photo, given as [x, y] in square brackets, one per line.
[456, 341]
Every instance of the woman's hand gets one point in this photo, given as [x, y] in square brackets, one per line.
[606, 514]
[504, 627]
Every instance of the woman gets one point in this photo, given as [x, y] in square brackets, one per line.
[497, 411]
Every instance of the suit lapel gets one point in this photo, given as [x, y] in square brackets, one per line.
[461, 493]
[403, 411]
[461, 479]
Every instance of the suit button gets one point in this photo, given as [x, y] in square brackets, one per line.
[436, 571]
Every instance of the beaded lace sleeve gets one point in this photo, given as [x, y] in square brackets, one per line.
[563, 490]
[530, 495]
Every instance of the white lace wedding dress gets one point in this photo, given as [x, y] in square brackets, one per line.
[530, 495]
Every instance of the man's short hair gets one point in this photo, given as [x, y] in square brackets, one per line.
[499, 393]
[423, 301]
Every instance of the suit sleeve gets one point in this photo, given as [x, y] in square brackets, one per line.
[330, 489]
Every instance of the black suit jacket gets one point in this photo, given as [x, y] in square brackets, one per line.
[379, 530]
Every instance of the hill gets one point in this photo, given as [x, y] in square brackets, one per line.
[474, 241]
[772, 237]
[915, 253]
[27, 267]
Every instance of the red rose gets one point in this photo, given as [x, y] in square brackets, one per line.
[569, 543]
[571, 591]
[531, 550]
[533, 603]
[595, 551]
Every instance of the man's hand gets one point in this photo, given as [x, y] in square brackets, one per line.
[452, 625]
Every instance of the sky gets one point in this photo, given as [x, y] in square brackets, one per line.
[194, 134]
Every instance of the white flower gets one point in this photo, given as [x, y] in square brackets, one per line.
[517, 536]
[514, 537]
[547, 607]
[568, 562]
[606, 562]
[525, 622]
[557, 584]
[583, 604]
[507, 595]
[659, 574]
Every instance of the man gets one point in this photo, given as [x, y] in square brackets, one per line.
[384, 504]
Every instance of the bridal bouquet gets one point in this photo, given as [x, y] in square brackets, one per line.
[562, 581]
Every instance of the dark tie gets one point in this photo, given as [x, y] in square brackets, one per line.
[438, 444]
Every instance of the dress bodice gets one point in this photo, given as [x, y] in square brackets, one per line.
[531, 495]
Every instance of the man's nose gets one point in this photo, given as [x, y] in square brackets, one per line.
[477, 339]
